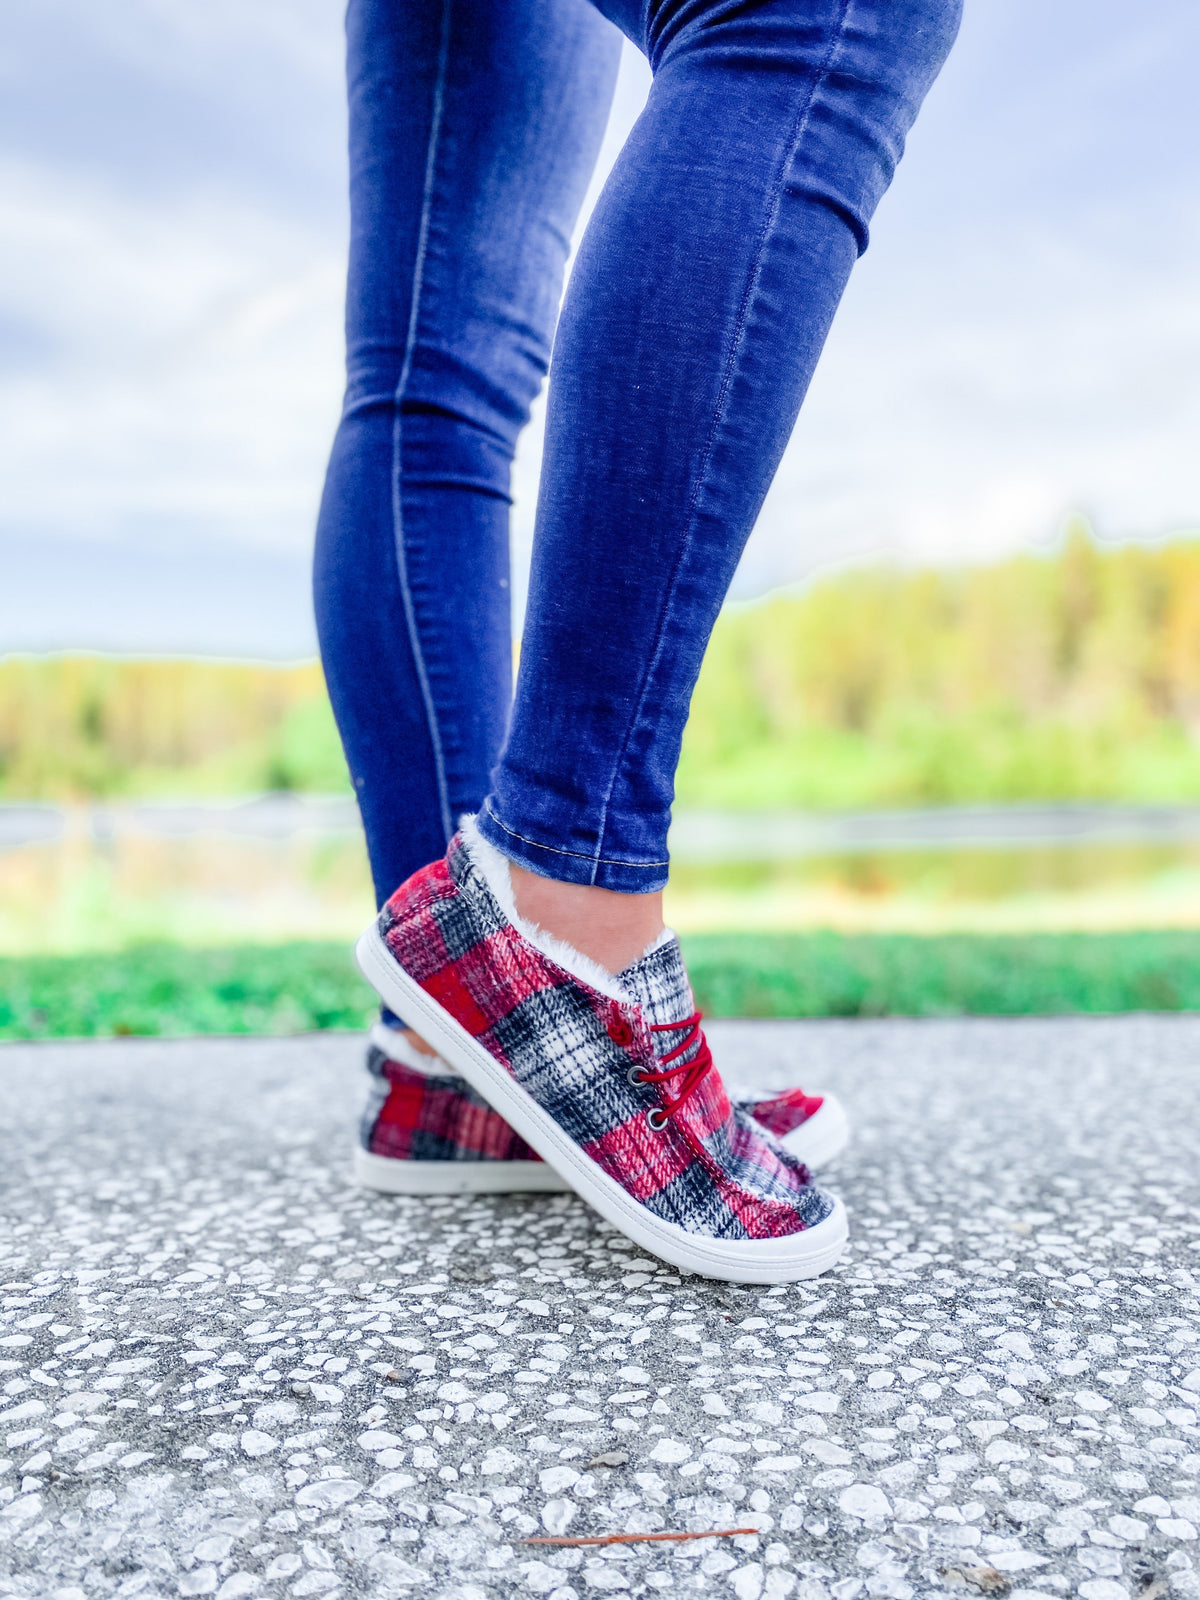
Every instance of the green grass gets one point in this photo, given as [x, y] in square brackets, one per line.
[283, 989]
[880, 975]
[167, 989]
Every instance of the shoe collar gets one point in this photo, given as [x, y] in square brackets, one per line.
[492, 868]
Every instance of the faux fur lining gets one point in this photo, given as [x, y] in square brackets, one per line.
[395, 1046]
[494, 868]
[664, 937]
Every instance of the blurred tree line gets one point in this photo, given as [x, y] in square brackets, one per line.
[78, 727]
[1069, 676]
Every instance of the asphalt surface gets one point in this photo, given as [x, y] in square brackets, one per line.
[225, 1372]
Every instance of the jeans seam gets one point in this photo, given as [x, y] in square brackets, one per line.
[797, 134]
[579, 855]
[410, 615]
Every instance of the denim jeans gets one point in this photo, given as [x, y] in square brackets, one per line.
[702, 294]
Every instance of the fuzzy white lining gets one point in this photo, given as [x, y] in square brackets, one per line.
[395, 1046]
[664, 937]
[494, 868]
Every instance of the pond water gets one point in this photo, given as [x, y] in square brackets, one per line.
[283, 868]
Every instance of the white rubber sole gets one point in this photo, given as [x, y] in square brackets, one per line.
[393, 1175]
[816, 1141]
[787, 1260]
[822, 1137]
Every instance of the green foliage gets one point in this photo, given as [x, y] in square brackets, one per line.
[303, 751]
[1072, 676]
[1069, 676]
[876, 975]
[166, 989]
[100, 727]
[286, 989]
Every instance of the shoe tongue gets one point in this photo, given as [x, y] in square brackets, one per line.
[658, 982]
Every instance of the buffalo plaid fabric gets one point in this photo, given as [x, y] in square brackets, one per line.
[437, 1116]
[418, 1116]
[423, 1116]
[708, 1168]
[782, 1113]
[659, 983]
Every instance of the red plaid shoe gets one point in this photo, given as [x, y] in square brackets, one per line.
[426, 1131]
[610, 1082]
[814, 1127]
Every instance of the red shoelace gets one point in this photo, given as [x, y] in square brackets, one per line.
[696, 1069]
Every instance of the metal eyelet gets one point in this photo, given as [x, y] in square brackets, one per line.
[635, 1075]
[656, 1118]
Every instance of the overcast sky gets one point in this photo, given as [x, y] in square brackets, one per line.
[1022, 339]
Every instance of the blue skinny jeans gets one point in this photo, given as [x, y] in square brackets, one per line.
[702, 294]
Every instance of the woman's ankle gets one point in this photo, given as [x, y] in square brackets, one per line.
[611, 929]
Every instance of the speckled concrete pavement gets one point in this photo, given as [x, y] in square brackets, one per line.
[224, 1372]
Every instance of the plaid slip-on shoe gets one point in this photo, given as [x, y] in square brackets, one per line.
[426, 1131]
[814, 1127]
[610, 1082]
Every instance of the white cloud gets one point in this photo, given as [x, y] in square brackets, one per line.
[1022, 339]
[190, 363]
[1016, 385]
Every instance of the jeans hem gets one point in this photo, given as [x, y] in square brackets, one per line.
[570, 866]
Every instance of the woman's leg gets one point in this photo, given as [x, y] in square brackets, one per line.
[704, 289]
[474, 127]
[700, 301]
